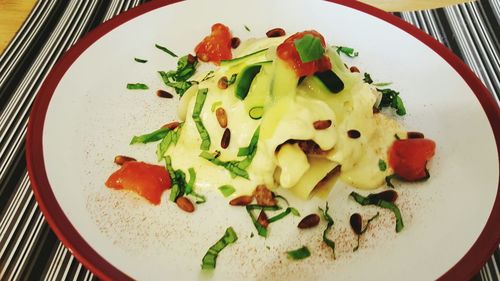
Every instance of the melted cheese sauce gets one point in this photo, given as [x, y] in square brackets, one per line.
[289, 114]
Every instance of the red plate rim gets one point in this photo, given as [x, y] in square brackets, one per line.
[464, 269]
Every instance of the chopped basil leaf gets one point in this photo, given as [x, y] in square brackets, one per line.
[242, 58]
[283, 214]
[216, 105]
[295, 212]
[165, 50]
[390, 98]
[227, 190]
[382, 166]
[178, 79]
[210, 258]
[151, 137]
[383, 84]
[299, 254]
[364, 230]
[396, 137]
[282, 198]
[198, 106]
[209, 75]
[137, 86]
[388, 180]
[171, 138]
[252, 147]
[232, 79]
[373, 200]
[262, 207]
[247, 28]
[309, 48]
[368, 78]
[190, 187]
[251, 235]
[140, 60]
[328, 218]
[261, 230]
[178, 178]
[350, 52]
[231, 166]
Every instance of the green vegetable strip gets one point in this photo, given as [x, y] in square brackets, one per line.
[299, 254]
[283, 214]
[231, 166]
[165, 50]
[329, 225]
[261, 230]
[364, 230]
[347, 51]
[282, 198]
[390, 98]
[137, 86]
[224, 62]
[247, 28]
[198, 106]
[227, 190]
[372, 200]
[190, 187]
[178, 180]
[309, 48]
[382, 166]
[151, 137]
[140, 60]
[252, 146]
[164, 145]
[210, 258]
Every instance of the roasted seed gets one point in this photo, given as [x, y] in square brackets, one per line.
[309, 221]
[241, 200]
[220, 113]
[275, 32]
[191, 59]
[415, 135]
[226, 138]
[222, 83]
[235, 42]
[353, 134]
[322, 124]
[262, 219]
[387, 195]
[171, 125]
[356, 223]
[264, 196]
[354, 69]
[185, 204]
[164, 94]
[121, 159]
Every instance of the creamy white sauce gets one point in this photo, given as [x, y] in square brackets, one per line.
[289, 114]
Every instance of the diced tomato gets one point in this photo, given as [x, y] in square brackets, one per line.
[408, 158]
[149, 181]
[216, 46]
[287, 52]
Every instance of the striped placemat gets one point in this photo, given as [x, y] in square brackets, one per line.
[29, 250]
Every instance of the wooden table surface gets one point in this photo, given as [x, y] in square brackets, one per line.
[14, 12]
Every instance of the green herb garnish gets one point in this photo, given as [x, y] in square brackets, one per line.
[247, 28]
[368, 78]
[350, 52]
[390, 98]
[382, 166]
[215, 105]
[137, 86]
[231, 166]
[210, 258]
[299, 254]
[140, 60]
[252, 147]
[178, 178]
[178, 79]
[232, 79]
[371, 199]
[328, 218]
[198, 106]
[171, 138]
[151, 137]
[364, 230]
[165, 50]
[209, 75]
[382, 84]
[261, 230]
[190, 187]
[284, 214]
[227, 190]
[309, 48]
[388, 180]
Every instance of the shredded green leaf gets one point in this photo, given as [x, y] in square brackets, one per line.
[390, 98]
[231, 166]
[247, 28]
[137, 86]
[242, 58]
[178, 79]
[198, 106]
[368, 78]
[171, 138]
[284, 214]
[371, 199]
[382, 166]
[210, 258]
[232, 79]
[165, 50]
[227, 190]
[309, 48]
[209, 75]
[140, 60]
[350, 52]
[328, 218]
[299, 254]
[282, 198]
[261, 230]
[382, 84]
[388, 180]
[151, 137]
[190, 187]
[364, 230]
[178, 178]
[252, 147]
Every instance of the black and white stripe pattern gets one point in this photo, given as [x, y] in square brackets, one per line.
[29, 250]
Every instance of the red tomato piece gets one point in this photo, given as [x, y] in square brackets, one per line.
[149, 181]
[287, 52]
[408, 158]
[216, 46]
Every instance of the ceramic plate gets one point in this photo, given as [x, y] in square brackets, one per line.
[84, 116]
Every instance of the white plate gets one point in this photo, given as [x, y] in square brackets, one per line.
[84, 116]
